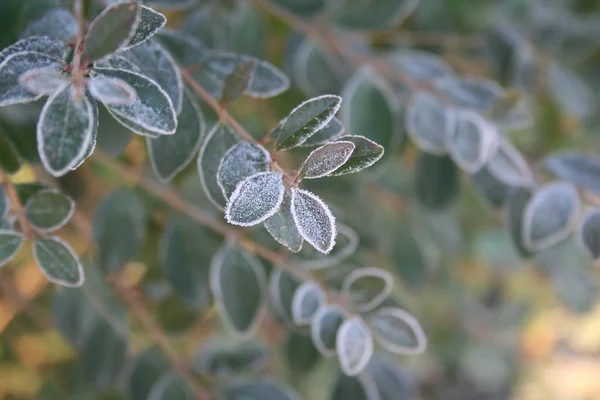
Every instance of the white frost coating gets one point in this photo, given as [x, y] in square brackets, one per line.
[314, 220]
[36, 248]
[16, 251]
[52, 130]
[151, 21]
[326, 159]
[308, 299]
[92, 145]
[388, 322]
[50, 47]
[428, 123]
[58, 23]
[555, 207]
[216, 265]
[255, 199]
[111, 91]
[316, 328]
[160, 118]
[509, 166]
[239, 162]
[43, 81]
[364, 149]
[354, 345]
[369, 272]
[474, 141]
[332, 131]
[58, 225]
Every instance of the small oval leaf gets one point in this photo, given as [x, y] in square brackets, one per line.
[308, 298]
[49, 210]
[43, 81]
[314, 220]
[367, 288]
[518, 198]
[436, 181]
[58, 262]
[366, 153]
[509, 166]
[282, 287]
[354, 346]
[151, 21]
[255, 199]
[429, 123]
[326, 159]
[581, 169]
[398, 331]
[473, 141]
[325, 325]
[240, 162]
[10, 244]
[333, 130]
[282, 226]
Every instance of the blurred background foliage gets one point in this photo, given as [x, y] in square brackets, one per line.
[498, 326]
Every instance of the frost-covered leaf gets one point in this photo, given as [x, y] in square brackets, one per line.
[326, 159]
[239, 287]
[58, 23]
[421, 66]
[92, 146]
[317, 71]
[398, 331]
[118, 62]
[470, 93]
[43, 81]
[308, 299]
[185, 49]
[15, 65]
[305, 120]
[10, 244]
[581, 169]
[240, 162]
[364, 15]
[354, 345]
[589, 233]
[151, 21]
[390, 379]
[259, 389]
[255, 199]
[314, 220]
[111, 91]
[367, 288]
[509, 166]
[282, 227]
[370, 108]
[366, 153]
[49, 210]
[57, 261]
[518, 198]
[65, 130]
[494, 192]
[473, 142]
[282, 287]
[170, 154]
[436, 181]
[218, 140]
[550, 215]
[119, 229]
[151, 109]
[238, 81]
[48, 46]
[312, 259]
[324, 328]
[155, 62]
[570, 91]
[333, 130]
[267, 81]
[111, 31]
[429, 123]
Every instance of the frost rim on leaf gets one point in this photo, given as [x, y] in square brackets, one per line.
[414, 325]
[72, 253]
[14, 254]
[488, 145]
[328, 213]
[346, 157]
[357, 274]
[60, 224]
[412, 130]
[355, 322]
[298, 298]
[236, 193]
[315, 328]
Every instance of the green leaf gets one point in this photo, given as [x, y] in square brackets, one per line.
[155, 62]
[170, 154]
[111, 91]
[581, 169]
[262, 389]
[354, 345]
[282, 227]
[363, 15]
[119, 229]
[185, 49]
[367, 288]
[307, 119]
[324, 328]
[65, 130]
[151, 110]
[359, 387]
[494, 192]
[407, 256]
[517, 201]
[49, 210]
[103, 355]
[389, 380]
[218, 140]
[9, 158]
[10, 244]
[550, 215]
[308, 299]
[429, 123]
[111, 31]
[301, 353]
[473, 142]
[92, 146]
[366, 153]
[151, 21]
[227, 359]
[317, 71]
[170, 386]
[239, 287]
[255, 199]
[570, 91]
[326, 159]
[15, 65]
[509, 166]
[282, 286]
[436, 181]
[43, 81]
[332, 131]
[371, 109]
[58, 262]
[589, 233]
[473, 94]
[398, 331]
[238, 81]
[4, 203]
[314, 220]
[421, 66]
[146, 370]
[185, 253]
[241, 161]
